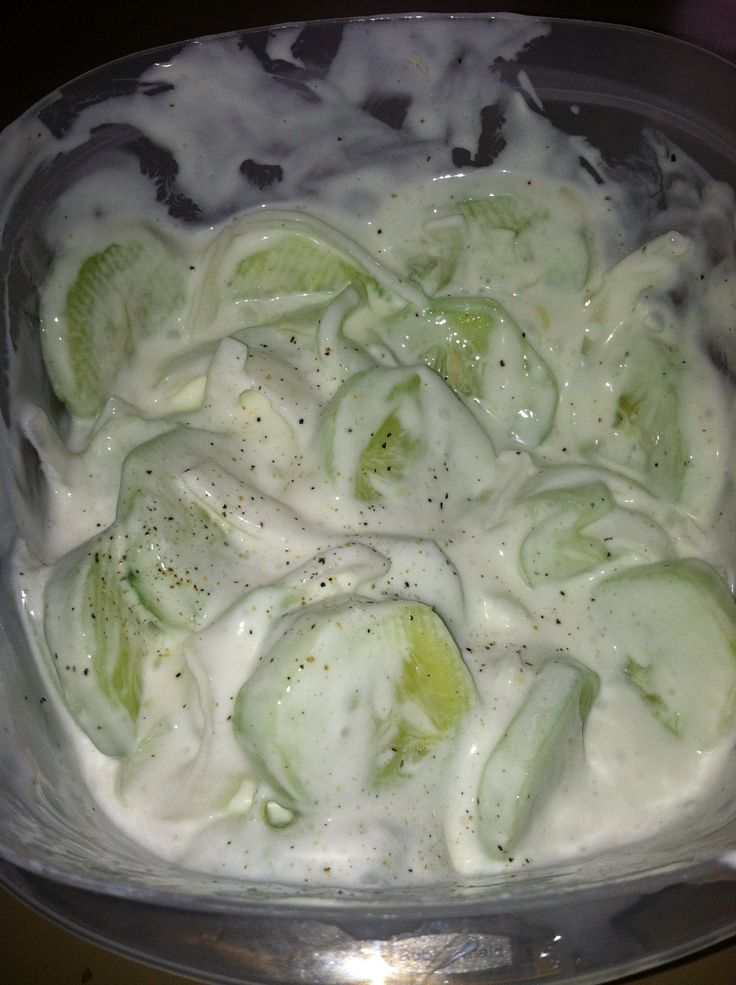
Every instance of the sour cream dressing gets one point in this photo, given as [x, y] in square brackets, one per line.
[277, 447]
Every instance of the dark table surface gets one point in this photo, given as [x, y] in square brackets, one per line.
[50, 45]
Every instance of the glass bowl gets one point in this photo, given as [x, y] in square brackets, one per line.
[187, 119]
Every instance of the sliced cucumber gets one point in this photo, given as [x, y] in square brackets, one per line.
[673, 625]
[645, 435]
[391, 434]
[191, 530]
[558, 546]
[351, 694]
[501, 212]
[648, 416]
[517, 241]
[96, 309]
[267, 267]
[387, 457]
[293, 263]
[544, 736]
[101, 637]
[474, 345]
[438, 254]
[641, 362]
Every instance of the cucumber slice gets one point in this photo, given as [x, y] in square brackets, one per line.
[474, 345]
[264, 268]
[558, 547]
[674, 626]
[292, 263]
[391, 434]
[501, 212]
[175, 555]
[485, 359]
[646, 425]
[627, 289]
[185, 557]
[438, 254]
[544, 736]
[645, 436]
[641, 360]
[559, 249]
[514, 241]
[101, 638]
[351, 695]
[96, 310]
[387, 457]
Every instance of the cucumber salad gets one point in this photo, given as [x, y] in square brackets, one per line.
[392, 546]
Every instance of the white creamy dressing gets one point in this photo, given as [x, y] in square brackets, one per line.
[451, 536]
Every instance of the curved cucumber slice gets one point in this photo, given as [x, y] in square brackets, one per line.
[97, 309]
[387, 457]
[543, 736]
[101, 637]
[183, 554]
[438, 253]
[392, 434]
[646, 378]
[558, 546]
[292, 263]
[352, 694]
[648, 374]
[474, 345]
[501, 212]
[647, 434]
[674, 626]
[263, 268]
[517, 241]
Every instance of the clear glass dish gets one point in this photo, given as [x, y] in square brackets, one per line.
[585, 922]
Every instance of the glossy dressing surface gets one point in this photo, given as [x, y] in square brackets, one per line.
[396, 472]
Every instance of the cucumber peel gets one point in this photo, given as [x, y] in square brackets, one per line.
[543, 737]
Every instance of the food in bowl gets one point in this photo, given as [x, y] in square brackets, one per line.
[388, 537]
